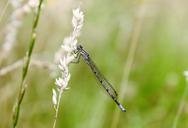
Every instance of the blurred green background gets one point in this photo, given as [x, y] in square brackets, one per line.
[140, 46]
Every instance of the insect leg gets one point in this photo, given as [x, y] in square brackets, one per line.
[77, 58]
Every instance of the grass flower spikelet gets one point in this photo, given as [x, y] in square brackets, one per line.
[67, 48]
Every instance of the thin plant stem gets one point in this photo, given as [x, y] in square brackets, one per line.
[4, 10]
[23, 86]
[181, 106]
[10, 68]
[57, 109]
[130, 59]
[34, 62]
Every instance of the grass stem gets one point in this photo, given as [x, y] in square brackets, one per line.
[181, 106]
[4, 10]
[57, 109]
[23, 86]
[128, 65]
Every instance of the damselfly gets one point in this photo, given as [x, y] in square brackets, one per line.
[103, 81]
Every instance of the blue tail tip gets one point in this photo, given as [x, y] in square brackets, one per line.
[122, 108]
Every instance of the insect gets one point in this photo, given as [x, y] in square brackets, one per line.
[103, 81]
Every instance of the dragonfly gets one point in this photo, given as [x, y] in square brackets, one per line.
[103, 81]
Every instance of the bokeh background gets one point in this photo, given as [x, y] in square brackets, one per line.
[139, 45]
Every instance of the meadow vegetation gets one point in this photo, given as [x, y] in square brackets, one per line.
[140, 47]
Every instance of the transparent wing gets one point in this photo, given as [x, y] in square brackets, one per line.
[103, 81]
